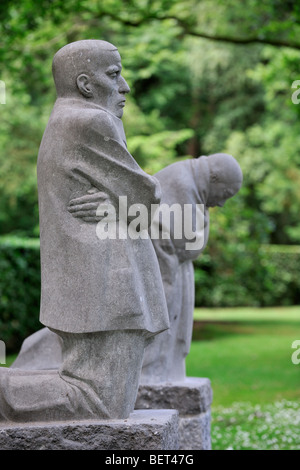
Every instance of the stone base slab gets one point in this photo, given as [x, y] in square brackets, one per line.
[192, 398]
[143, 430]
[194, 432]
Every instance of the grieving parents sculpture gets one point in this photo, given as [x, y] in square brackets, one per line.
[209, 181]
[104, 298]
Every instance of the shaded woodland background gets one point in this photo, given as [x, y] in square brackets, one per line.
[205, 77]
[190, 96]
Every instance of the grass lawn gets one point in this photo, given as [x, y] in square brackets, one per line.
[246, 353]
[248, 313]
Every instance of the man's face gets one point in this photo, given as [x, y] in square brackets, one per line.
[221, 191]
[108, 86]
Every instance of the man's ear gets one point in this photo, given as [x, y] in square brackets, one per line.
[84, 85]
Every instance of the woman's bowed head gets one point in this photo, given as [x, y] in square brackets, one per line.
[226, 179]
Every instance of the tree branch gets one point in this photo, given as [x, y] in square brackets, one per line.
[188, 30]
[242, 41]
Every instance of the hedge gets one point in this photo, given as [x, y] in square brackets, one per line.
[236, 276]
[19, 290]
[260, 276]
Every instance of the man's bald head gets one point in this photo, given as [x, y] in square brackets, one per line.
[80, 57]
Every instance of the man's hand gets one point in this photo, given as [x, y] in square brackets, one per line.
[85, 207]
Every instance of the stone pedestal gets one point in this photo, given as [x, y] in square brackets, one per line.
[143, 430]
[192, 398]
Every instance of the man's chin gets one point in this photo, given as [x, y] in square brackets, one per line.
[119, 113]
[116, 112]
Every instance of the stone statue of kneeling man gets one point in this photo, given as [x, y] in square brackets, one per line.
[103, 298]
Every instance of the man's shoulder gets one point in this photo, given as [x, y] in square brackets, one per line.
[84, 115]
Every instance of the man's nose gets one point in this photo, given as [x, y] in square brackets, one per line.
[123, 87]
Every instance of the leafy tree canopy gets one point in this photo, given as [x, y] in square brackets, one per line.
[206, 76]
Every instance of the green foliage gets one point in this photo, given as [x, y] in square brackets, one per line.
[269, 149]
[158, 150]
[241, 276]
[19, 290]
[20, 135]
